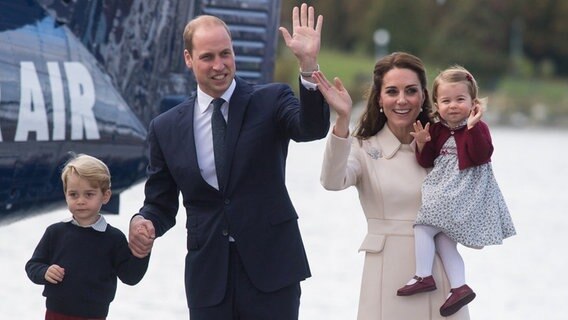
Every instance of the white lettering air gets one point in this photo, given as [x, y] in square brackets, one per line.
[32, 114]
[82, 100]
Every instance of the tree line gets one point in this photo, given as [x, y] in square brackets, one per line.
[489, 37]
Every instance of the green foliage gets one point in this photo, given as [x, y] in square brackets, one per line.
[354, 70]
[472, 33]
[542, 101]
[544, 32]
[485, 36]
[538, 100]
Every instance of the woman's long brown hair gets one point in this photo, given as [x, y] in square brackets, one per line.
[372, 120]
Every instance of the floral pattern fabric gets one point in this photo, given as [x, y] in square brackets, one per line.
[467, 205]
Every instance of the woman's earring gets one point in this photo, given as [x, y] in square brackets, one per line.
[381, 110]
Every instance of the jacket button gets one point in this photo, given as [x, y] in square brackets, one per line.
[227, 201]
[225, 232]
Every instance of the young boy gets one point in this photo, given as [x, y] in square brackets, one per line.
[78, 260]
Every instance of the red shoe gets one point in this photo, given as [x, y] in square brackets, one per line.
[459, 298]
[421, 285]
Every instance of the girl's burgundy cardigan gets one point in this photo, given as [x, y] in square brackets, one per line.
[474, 145]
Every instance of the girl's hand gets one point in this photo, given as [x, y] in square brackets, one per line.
[54, 274]
[474, 115]
[421, 134]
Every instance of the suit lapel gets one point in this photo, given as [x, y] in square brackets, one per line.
[237, 109]
[185, 129]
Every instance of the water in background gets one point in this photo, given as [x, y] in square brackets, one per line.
[522, 279]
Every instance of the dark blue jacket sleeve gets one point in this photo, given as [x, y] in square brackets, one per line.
[305, 120]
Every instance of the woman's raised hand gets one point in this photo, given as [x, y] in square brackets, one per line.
[336, 96]
[339, 100]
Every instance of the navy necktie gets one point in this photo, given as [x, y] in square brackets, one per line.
[218, 128]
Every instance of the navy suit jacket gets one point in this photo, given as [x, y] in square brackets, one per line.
[254, 207]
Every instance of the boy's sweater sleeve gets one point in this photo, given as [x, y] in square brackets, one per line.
[129, 269]
[37, 266]
[133, 270]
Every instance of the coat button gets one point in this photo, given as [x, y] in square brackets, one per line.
[225, 232]
[227, 201]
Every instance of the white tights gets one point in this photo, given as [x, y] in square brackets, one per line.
[428, 240]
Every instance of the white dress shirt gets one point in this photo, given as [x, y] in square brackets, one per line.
[202, 129]
[203, 134]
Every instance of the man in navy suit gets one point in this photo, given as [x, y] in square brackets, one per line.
[245, 255]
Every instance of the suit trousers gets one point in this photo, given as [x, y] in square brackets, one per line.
[243, 301]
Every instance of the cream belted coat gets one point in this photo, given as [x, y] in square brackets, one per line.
[389, 181]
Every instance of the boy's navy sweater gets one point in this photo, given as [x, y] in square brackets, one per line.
[92, 261]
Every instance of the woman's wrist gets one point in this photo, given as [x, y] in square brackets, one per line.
[341, 127]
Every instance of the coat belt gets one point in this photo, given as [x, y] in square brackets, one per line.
[390, 227]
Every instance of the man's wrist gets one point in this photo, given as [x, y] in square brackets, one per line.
[307, 73]
[137, 216]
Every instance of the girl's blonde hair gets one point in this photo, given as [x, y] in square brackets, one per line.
[90, 168]
[454, 74]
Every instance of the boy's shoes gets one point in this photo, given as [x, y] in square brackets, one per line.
[421, 285]
[459, 297]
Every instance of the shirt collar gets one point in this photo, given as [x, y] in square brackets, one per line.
[99, 226]
[204, 100]
[389, 142]
[460, 125]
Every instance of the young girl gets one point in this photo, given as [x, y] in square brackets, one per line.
[78, 260]
[461, 201]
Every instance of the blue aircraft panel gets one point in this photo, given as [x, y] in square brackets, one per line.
[87, 76]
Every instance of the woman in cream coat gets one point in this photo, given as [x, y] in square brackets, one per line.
[379, 161]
